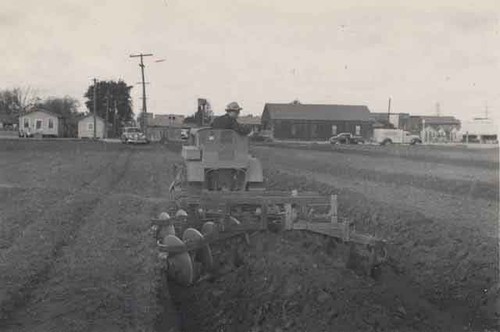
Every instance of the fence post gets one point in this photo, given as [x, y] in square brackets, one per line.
[288, 216]
[333, 209]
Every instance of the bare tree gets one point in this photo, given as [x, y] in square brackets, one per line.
[16, 100]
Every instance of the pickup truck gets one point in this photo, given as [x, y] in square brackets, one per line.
[398, 136]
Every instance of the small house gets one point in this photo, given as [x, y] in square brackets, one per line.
[167, 120]
[40, 122]
[251, 121]
[86, 127]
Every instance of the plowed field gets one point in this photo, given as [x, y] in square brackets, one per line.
[76, 252]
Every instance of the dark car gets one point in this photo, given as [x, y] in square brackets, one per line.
[133, 135]
[346, 138]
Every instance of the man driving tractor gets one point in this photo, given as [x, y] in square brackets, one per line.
[229, 120]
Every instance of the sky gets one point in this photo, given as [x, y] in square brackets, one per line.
[360, 52]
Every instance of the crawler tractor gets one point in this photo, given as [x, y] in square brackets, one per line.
[219, 192]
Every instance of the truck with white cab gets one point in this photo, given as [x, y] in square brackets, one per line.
[394, 136]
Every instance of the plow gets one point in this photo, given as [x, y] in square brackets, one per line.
[219, 193]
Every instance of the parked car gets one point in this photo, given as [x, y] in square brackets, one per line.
[346, 138]
[133, 135]
[262, 136]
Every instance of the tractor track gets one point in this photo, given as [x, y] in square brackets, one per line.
[15, 300]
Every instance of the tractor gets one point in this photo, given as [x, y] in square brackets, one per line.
[219, 192]
[218, 160]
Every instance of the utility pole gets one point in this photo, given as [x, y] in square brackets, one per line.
[438, 109]
[144, 109]
[107, 114]
[389, 112]
[114, 120]
[95, 107]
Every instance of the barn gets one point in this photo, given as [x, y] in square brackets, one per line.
[310, 122]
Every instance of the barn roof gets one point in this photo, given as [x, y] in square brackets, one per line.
[317, 112]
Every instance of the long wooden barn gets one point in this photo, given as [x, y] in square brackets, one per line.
[315, 122]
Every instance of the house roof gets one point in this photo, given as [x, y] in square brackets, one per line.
[34, 110]
[440, 120]
[317, 112]
[90, 116]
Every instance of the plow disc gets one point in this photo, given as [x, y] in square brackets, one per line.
[215, 216]
[201, 256]
[180, 265]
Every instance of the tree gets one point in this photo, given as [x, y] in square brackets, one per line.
[14, 101]
[108, 93]
[67, 108]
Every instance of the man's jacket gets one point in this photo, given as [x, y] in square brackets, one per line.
[227, 122]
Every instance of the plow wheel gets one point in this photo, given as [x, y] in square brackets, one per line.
[202, 258]
[180, 265]
[208, 228]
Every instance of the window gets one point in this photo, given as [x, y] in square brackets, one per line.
[26, 122]
[51, 123]
[294, 129]
[358, 130]
[38, 124]
[90, 126]
[334, 129]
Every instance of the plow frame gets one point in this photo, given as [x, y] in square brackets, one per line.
[217, 207]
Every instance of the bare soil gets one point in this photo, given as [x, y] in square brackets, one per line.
[75, 247]
[445, 240]
[76, 252]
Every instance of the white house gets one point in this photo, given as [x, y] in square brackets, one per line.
[40, 122]
[86, 127]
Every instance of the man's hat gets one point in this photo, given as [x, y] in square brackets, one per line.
[233, 107]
